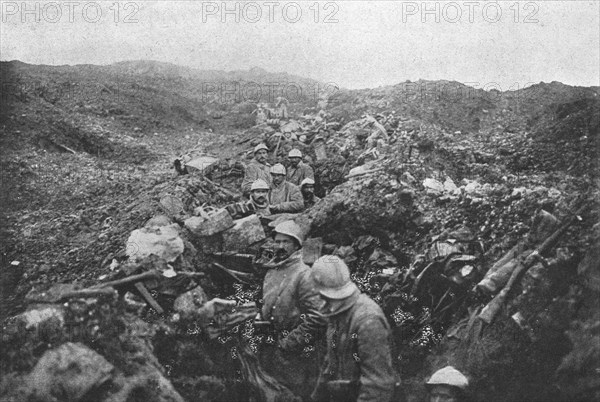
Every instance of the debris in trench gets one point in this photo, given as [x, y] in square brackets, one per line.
[70, 372]
[493, 181]
[492, 308]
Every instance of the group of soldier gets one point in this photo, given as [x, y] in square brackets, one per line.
[320, 307]
[275, 189]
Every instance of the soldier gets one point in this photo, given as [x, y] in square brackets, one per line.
[298, 170]
[307, 188]
[291, 304]
[281, 104]
[261, 116]
[447, 385]
[258, 204]
[284, 196]
[358, 364]
[258, 168]
[259, 196]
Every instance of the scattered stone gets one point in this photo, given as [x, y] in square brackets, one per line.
[433, 186]
[41, 314]
[158, 221]
[189, 302]
[450, 187]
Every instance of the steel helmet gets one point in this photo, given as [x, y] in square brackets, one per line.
[277, 169]
[295, 153]
[259, 184]
[448, 376]
[290, 228]
[306, 181]
[259, 147]
[332, 277]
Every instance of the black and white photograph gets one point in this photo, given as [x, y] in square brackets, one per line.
[289, 201]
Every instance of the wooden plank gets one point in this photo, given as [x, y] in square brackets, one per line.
[311, 250]
[148, 297]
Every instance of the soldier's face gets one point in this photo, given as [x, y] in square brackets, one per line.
[308, 190]
[442, 393]
[261, 155]
[259, 196]
[278, 179]
[330, 305]
[294, 161]
[284, 246]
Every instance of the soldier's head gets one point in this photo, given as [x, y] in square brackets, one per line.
[260, 153]
[278, 174]
[332, 280]
[295, 156]
[307, 187]
[447, 385]
[288, 238]
[259, 191]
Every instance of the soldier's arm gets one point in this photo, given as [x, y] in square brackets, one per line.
[249, 177]
[309, 172]
[320, 393]
[295, 204]
[377, 379]
[313, 323]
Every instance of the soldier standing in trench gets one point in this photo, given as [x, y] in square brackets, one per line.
[307, 188]
[292, 305]
[358, 364]
[258, 168]
[298, 170]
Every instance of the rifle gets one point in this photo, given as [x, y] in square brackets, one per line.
[493, 307]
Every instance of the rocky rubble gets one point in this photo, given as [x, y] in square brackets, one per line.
[423, 192]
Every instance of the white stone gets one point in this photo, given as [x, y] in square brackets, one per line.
[163, 242]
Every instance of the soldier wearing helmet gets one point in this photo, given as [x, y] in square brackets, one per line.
[447, 385]
[258, 168]
[358, 364]
[259, 197]
[284, 196]
[291, 304]
[298, 170]
[258, 203]
[307, 188]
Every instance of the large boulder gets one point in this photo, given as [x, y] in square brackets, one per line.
[67, 373]
[163, 241]
[244, 233]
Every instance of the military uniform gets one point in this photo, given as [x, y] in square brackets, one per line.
[291, 304]
[288, 293]
[254, 171]
[299, 173]
[285, 198]
[309, 202]
[358, 365]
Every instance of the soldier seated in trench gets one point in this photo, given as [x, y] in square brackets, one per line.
[284, 196]
[258, 203]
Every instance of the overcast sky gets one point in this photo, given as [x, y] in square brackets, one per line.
[355, 44]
